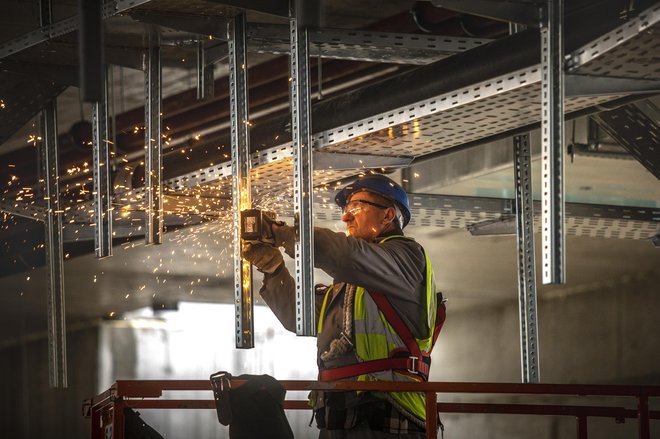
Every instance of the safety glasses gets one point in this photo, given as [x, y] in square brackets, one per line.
[356, 206]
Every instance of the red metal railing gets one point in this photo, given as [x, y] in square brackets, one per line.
[107, 409]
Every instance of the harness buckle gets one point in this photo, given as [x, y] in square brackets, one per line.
[413, 364]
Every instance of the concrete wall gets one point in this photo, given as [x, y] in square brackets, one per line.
[29, 408]
[594, 334]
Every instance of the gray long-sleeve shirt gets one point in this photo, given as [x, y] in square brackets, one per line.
[395, 268]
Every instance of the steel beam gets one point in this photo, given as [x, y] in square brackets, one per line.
[527, 13]
[302, 176]
[45, 12]
[526, 260]
[23, 209]
[240, 165]
[272, 7]
[54, 257]
[589, 85]
[153, 141]
[90, 50]
[101, 167]
[552, 157]
[359, 45]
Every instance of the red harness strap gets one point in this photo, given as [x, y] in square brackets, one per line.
[417, 362]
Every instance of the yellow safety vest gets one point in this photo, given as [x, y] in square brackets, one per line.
[376, 339]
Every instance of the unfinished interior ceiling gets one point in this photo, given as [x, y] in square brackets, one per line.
[391, 96]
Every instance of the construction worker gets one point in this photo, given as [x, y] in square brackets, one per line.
[374, 266]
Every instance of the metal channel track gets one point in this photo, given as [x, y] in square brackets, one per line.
[240, 182]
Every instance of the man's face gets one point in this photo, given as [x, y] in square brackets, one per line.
[366, 215]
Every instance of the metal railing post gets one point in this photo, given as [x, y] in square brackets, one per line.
[643, 416]
[582, 427]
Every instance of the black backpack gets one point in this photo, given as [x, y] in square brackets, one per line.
[253, 410]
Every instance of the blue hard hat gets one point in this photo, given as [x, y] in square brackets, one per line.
[381, 185]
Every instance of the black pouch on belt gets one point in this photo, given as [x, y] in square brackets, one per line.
[253, 410]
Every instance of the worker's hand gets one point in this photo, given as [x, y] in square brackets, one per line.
[284, 235]
[265, 257]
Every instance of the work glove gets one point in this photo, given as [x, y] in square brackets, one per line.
[269, 228]
[265, 257]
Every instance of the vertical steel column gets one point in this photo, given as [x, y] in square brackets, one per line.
[101, 158]
[204, 74]
[526, 259]
[302, 177]
[552, 128]
[45, 12]
[153, 142]
[240, 164]
[201, 62]
[54, 258]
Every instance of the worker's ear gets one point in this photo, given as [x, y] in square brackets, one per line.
[390, 215]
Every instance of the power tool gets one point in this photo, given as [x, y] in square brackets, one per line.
[256, 226]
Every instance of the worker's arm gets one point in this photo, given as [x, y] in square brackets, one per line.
[279, 292]
[395, 268]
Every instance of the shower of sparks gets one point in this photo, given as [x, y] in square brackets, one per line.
[198, 218]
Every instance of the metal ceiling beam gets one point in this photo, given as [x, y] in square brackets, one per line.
[363, 45]
[272, 7]
[193, 23]
[358, 45]
[589, 85]
[23, 209]
[528, 13]
[637, 128]
[62, 27]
